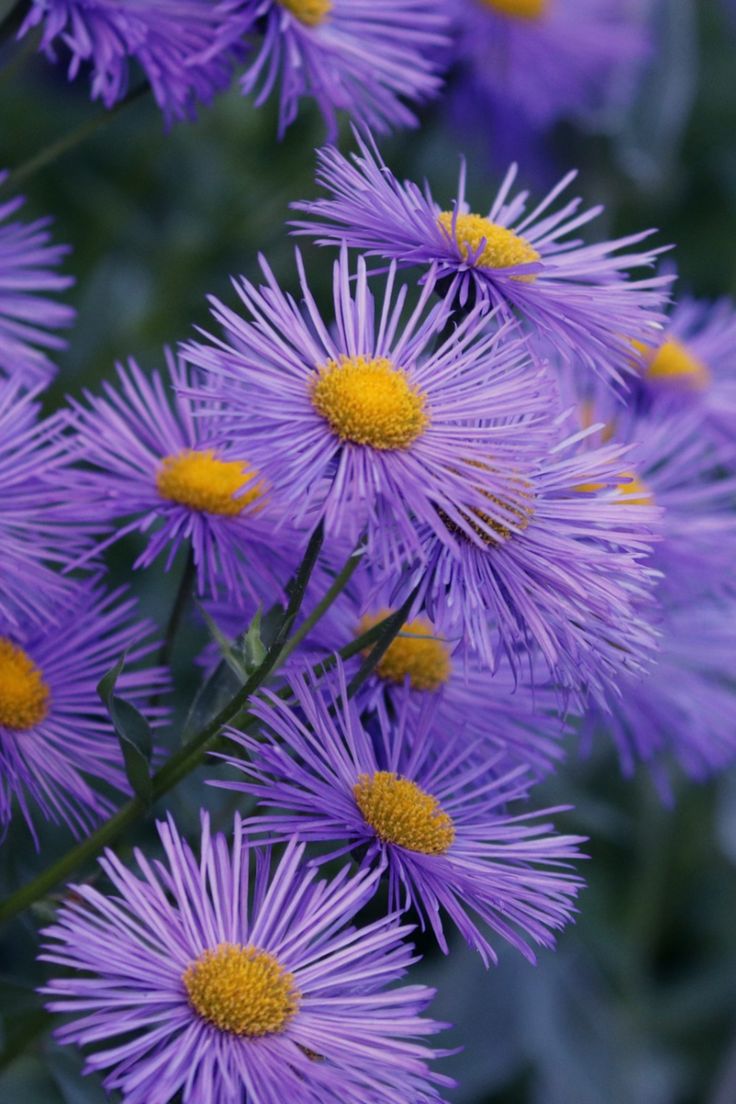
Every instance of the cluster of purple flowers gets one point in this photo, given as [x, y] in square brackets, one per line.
[515, 444]
[535, 60]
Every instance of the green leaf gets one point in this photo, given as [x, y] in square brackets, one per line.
[133, 732]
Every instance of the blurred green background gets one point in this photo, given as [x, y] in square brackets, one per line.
[638, 1005]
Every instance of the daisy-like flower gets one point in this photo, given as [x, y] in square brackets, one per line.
[57, 742]
[570, 579]
[550, 59]
[371, 60]
[418, 801]
[377, 416]
[516, 720]
[578, 297]
[693, 366]
[688, 474]
[29, 317]
[167, 38]
[685, 709]
[196, 984]
[152, 459]
[36, 535]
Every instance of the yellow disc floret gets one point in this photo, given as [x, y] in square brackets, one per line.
[242, 990]
[310, 12]
[24, 696]
[201, 481]
[416, 653]
[401, 812]
[519, 9]
[369, 402]
[636, 491]
[501, 248]
[672, 362]
[489, 529]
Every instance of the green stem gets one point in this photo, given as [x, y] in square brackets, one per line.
[70, 141]
[338, 585]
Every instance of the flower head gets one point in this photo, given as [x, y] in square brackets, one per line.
[684, 712]
[377, 421]
[57, 742]
[371, 60]
[418, 800]
[515, 720]
[29, 317]
[571, 579]
[151, 457]
[692, 365]
[226, 993]
[167, 38]
[36, 534]
[550, 59]
[578, 297]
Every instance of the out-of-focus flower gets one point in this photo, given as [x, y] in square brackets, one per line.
[224, 993]
[422, 803]
[57, 741]
[549, 59]
[28, 316]
[369, 59]
[36, 533]
[579, 298]
[684, 711]
[153, 457]
[381, 421]
[690, 476]
[695, 364]
[167, 38]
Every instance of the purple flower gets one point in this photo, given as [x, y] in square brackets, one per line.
[685, 710]
[28, 317]
[423, 803]
[693, 366]
[550, 59]
[36, 535]
[152, 457]
[194, 982]
[56, 737]
[515, 720]
[368, 59]
[690, 476]
[381, 417]
[167, 38]
[570, 577]
[578, 297]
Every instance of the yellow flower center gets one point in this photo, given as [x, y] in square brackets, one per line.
[519, 9]
[416, 653]
[521, 515]
[369, 402]
[673, 362]
[242, 990]
[502, 248]
[310, 12]
[636, 491]
[199, 480]
[24, 696]
[401, 812]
